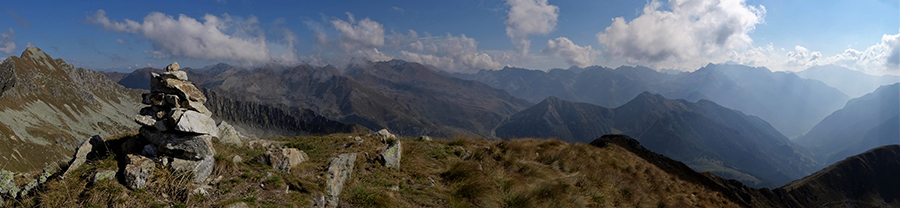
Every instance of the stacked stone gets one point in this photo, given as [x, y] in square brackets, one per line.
[178, 127]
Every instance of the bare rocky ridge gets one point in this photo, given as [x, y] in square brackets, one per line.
[48, 106]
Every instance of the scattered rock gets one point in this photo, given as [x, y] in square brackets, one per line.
[259, 144]
[286, 158]
[172, 67]
[432, 181]
[228, 135]
[391, 156]
[395, 188]
[104, 175]
[195, 122]
[237, 159]
[199, 168]
[237, 205]
[30, 186]
[359, 140]
[425, 138]
[339, 171]
[93, 146]
[384, 135]
[202, 190]
[137, 171]
[48, 171]
[7, 184]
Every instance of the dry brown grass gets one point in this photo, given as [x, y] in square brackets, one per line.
[467, 172]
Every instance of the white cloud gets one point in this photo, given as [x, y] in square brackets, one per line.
[358, 35]
[452, 53]
[686, 36]
[29, 44]
[7, 43]
[401, 10]
[120, 41]
[574, 55]
[528, 17]
[187, 37]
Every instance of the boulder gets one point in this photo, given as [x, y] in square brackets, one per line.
[172, 67]
[384, 134]
[286, 158]
[198, 123]
[228, 135]
[339, 170]
[200, 169]
[137, 171]
[30, 186]
[93, 146]
[391, 156]
[7, 184]
[104, 175]
[48, 171]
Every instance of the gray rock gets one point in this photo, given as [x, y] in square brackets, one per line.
[228, 135]
[202, 190]
[358, 140]
[198, 123]
[391, 156]
[161, 125]
[196, 106]
[384, 134]
[184, 89]
[339, 170]
[172, 67]
[93, 145]
[193, 147]
[425, 138]
[48, 171]
[179, 75]
[237, 159]
[286, 158]
[149, 151]
[173, 100]
[144, 120]
[173, 115]
[199, 168]
[104, 175]
[259, 144]
[237, 205]
[7, 184]
[137, 171]
[151, 98]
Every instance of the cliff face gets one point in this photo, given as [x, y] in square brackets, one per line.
[263, 120]
[47, 106]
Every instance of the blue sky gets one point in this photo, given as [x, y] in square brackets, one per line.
[461, 35]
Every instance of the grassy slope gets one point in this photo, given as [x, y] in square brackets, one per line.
[517, 173]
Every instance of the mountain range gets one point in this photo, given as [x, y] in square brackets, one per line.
[792, 105]
[706, 136]
[864, 123]
[851, 82]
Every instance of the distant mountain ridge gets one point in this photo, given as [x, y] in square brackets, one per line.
[791, 104]
[851, 82]
[706, 136]
[48, 107]
[864, 123]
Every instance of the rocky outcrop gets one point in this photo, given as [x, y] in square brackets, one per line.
[93, 146]
[229, 135]
[177, 124]
[282, 159]
[104, 175]
[7, 185]
[384, 134]
[339, 171]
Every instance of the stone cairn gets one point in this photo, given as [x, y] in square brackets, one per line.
[177, 127]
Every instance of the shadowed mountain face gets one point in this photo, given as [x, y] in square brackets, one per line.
[851, 82]
[864, 180]
[706, 136]
[864, 123]
[407, 98]
[791, 104]
[48, 107]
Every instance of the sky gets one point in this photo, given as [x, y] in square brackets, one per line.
[461, 35]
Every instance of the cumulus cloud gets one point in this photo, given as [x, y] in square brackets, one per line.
[363, 34]
[687, 34]
[452, 53]
[574, 55]
[187, 37]
[7, 41]
[528, 17]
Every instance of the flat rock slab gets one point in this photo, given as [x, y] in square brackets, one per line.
[339, 171]
[198, 123]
